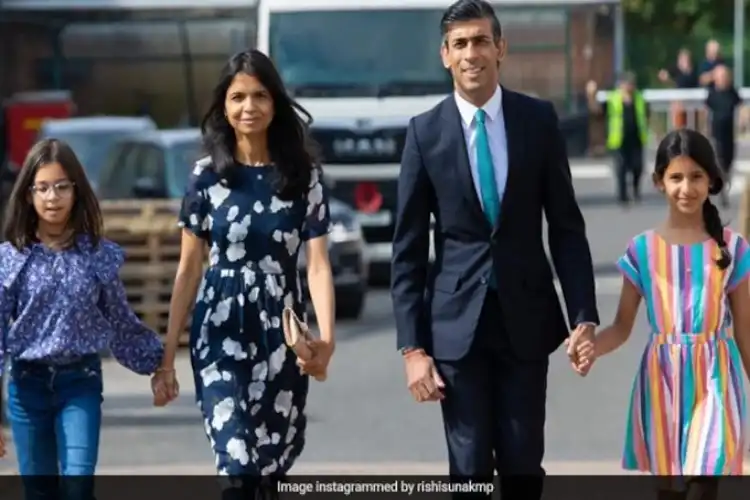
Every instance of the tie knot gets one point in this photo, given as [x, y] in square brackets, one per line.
[480, 116]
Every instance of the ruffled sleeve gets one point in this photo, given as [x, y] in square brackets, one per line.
[195, 208]
[10, 265]
[134, 345]
[317, 218]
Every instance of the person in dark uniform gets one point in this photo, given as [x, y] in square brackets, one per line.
[713, 59]
[682, 76]
[722, 101]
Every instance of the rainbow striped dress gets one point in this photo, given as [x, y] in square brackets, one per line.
[687, 407]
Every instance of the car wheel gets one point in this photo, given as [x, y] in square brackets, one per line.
[351, 305]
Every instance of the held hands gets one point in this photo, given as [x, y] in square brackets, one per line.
[317, 366]
[422, 377]
[164, 386]
[581, 349]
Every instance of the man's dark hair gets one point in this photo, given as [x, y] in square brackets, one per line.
[469, 10]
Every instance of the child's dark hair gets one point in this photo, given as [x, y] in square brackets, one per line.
[694, 145]
[21, 218]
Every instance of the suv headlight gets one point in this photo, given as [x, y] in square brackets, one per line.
[345, 231]
[344, 223]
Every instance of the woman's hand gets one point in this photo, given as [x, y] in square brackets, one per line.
[322, 353]
[164, 386]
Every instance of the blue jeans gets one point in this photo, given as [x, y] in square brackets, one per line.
[55, 414]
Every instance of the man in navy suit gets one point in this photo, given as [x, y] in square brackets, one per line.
[476, 331]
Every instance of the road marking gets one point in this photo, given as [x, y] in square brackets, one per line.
[591, 172]
[606, 285]
[604, 170]
[579, 170]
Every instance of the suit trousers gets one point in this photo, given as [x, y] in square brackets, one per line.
[494, 412]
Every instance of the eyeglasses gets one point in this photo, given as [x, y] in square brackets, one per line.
[63, 189]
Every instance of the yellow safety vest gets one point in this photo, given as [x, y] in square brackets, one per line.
[615, 121]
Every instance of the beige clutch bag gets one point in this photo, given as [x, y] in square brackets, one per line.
[298, 336]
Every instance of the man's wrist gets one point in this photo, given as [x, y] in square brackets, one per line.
[409, 351]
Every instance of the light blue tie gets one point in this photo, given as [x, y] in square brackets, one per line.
[487, 184]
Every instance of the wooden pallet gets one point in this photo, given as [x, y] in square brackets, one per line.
[141, 216]
[148, 233]
[744, 215]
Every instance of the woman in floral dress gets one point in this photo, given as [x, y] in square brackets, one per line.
[252, 202]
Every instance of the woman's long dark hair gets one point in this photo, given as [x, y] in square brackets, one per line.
[21, 219]
[291, 150]
[694, 145]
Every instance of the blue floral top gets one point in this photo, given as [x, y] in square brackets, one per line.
[56, 306]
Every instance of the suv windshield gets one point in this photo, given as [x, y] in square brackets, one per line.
[183, 156]
[91, 148]
[359, 53]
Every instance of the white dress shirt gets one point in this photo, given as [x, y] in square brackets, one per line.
[495, 125]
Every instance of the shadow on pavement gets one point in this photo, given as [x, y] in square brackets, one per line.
[601, 199]
[121, 410]
[156, 420]
[605, 268]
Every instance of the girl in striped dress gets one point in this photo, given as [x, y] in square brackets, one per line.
[687, 407]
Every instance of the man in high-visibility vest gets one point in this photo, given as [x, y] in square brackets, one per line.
[723, 101]
[627, 132]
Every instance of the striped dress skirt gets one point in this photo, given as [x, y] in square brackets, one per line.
[687, 407]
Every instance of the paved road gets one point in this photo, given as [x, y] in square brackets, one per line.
[363, 418]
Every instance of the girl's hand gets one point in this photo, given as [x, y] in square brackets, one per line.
[586, 354]
[164, 386]
[318, 365]
[2, 444]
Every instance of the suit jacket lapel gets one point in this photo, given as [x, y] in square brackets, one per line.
[514, 134]
[460, 159]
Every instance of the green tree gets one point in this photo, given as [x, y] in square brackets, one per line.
[657, 29]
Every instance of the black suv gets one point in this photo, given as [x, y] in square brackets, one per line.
[156, 165]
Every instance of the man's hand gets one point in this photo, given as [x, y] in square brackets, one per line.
[580, 348]
[422, 377]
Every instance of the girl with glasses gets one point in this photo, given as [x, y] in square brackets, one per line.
[61, 304]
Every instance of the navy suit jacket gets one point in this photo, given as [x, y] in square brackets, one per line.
[437, 307]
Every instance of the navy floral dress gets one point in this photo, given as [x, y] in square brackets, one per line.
[247, 383]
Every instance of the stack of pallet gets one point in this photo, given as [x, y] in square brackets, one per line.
[744, 215]
[148, 233]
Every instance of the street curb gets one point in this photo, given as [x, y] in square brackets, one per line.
[553, 468]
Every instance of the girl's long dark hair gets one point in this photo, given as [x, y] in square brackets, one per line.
[292, 152]
[21, 219]
[694, 145]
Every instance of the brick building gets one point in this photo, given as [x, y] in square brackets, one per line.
[162, 57]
